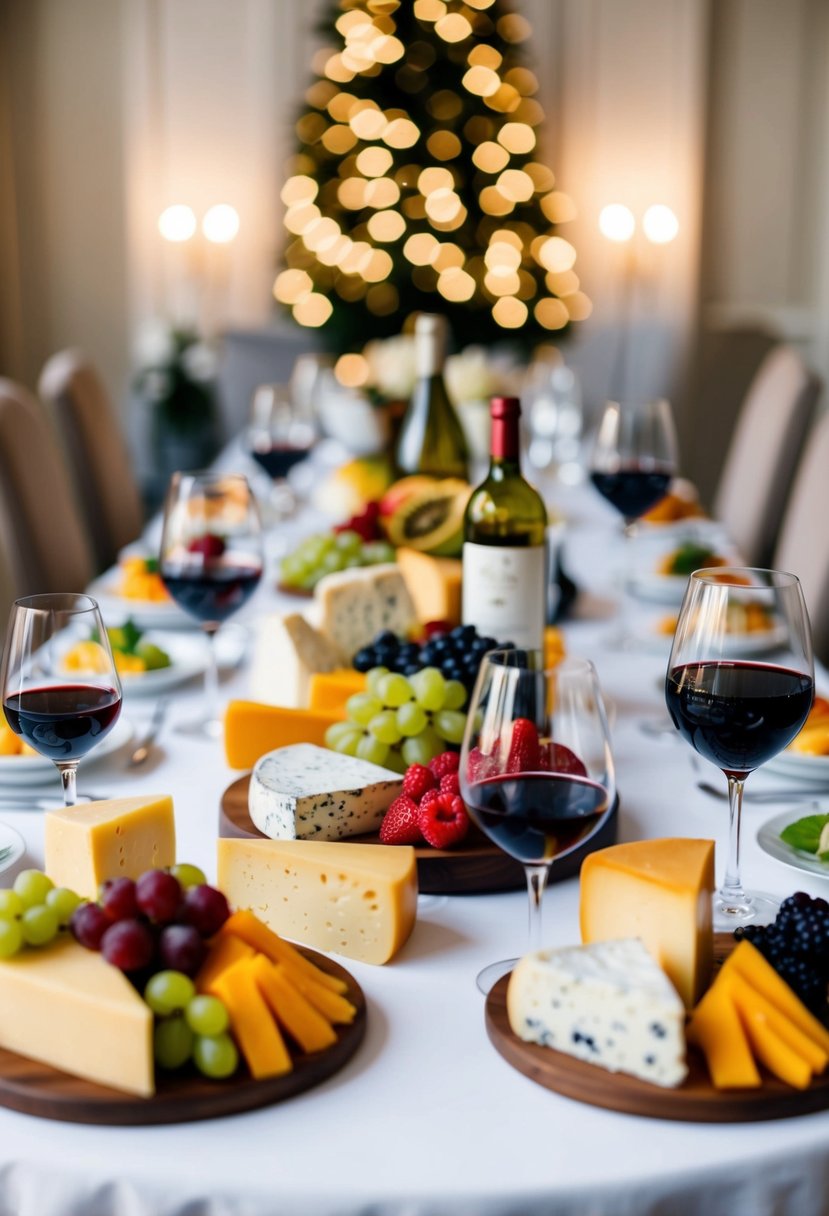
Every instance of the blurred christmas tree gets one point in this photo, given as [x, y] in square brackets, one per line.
[415, 185]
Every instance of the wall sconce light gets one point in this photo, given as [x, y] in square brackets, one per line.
[220, 224]
[177, 223]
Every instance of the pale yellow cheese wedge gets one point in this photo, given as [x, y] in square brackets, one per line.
[356, 900]
[122, 837]
[66, 1006]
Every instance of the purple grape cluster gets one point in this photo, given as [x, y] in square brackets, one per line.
[797, 946]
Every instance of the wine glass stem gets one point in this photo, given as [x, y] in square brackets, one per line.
[211, 675]
[68, 778]
[628, 570]
[536, 882]
[732, 892]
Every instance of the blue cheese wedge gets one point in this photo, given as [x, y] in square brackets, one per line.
[608, 1003]
[305, 792]
[287, 652]
[353, 606]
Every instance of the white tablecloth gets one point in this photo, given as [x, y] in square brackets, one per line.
[427, 1118]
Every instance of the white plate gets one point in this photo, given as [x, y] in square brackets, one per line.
[742, 645]
[768, 838]
[814, 769]
[13, 841]
[189, 655]
[147, 614]
[37, 770]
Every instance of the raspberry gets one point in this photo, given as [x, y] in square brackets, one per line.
[450, 784]
[442, 819]
[400, 823]
[524, 750]
[209, 545]
[446, 762]
[481, 765]
[417, 781]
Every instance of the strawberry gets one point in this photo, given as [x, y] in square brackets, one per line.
[400, 823]
[450, 784]
[446, 762]
[524, 751]
[418, 780]
[556, 758]
[481, 765]
[209, 545]
[433, 629]
[442, 819]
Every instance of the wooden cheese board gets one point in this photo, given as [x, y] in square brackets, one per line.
[475, 867]
[36, 1089]
[694, 1101]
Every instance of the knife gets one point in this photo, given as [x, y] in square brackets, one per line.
[146, 740]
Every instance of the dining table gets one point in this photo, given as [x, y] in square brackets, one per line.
[427, 1118]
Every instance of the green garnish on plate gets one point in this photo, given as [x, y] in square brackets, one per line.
[810, 835]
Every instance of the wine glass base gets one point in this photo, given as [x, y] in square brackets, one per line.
[489, 976]
[755, 908]
[201, 728]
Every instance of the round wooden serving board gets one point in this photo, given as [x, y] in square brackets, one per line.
[694, 1101]
[473, 868]
[37, 1089]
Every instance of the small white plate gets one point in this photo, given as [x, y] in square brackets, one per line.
[813, 769]
[768, 838]
[147, 614]
[741, 645]
[37, 770]
[13, 841]
[189, 657]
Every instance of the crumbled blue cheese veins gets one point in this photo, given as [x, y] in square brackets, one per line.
[608, 1003]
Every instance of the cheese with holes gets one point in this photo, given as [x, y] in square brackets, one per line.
[67, 1007]
[660, 891]
[355, 605]
[119, 838]
[252, 729]
[310, 793]
[352, 899]
[287, 651]
[434, 584]
[609, 1004]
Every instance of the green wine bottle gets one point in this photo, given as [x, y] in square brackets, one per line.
[431, 438]
[505, 551]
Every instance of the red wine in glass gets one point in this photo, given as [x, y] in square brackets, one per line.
[214, 590]
[738, 715]
[537, 816]
[63, 722]
[277, 459]
[633, 488]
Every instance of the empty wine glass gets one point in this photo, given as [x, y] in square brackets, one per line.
[536, 768]
[61, 707]
[738, 712]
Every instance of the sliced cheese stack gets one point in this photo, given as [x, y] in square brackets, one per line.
[750, 1014]
[355, 605]
[434, 584]
[608, 1004]
[352, 899]
[659, 891]
[287, 652]
[306, 792]
[252, 729]
[119, 838]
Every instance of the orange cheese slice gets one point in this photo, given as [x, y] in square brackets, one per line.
[716, 1027]
[251, 1021]
[761, 976]
[294, 1013]
[253, 729]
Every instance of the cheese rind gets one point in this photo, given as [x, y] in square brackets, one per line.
[659, 891]
[352, 899]
[355, 605]
[608, 1004]
[310, 793]
[67, 1007]
[253, 729]
[119, 838]
[287, 651]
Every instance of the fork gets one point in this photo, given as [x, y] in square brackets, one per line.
[714, 791]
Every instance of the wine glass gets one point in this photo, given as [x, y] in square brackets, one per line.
[279, 436]
[59, 706]
[211, 563]
[734, 711]
[632, 462]
[536, 768]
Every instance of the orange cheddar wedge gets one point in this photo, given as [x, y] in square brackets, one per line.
[253, 729]
[330, 690]
[224, 952]
[748, 962]
[716, 1027]
[250, 929]
[293, 1012]
[331, 1005]
[753, 1008]
[775, 1053]
[251, 1021]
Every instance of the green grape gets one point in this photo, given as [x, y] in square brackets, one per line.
[454, 695]
[11, 904]
[377, 551]
[315, 548]
[339, 730]
[39, 925]
[332, 562]
[11, 937]
[63, 903]
[169, 991]
[411, 719]
[346, 745]
[216, 1056]
[394, 760]
[416, 750]
[372, 749]
[172, 1042]
[188, 875]
[450, 725]
[394, 690]
[429, 686]
[373, 679]
[362, 707]
[349, 542]
[292, 569]
[384, 727]
[207, 1015]
[32, 886]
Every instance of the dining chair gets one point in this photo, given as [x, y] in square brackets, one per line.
[100, 465]
[767, 441]
[43, 546]
[803, 547]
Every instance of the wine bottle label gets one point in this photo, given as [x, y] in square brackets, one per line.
[505, 592]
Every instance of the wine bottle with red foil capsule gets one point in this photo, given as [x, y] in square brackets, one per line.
[504, 551]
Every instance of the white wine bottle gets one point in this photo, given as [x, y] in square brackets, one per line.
[504, 551]
[431, 438]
